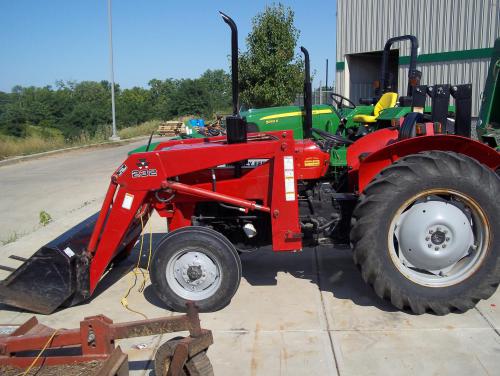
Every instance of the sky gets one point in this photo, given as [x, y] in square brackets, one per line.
[45, 41]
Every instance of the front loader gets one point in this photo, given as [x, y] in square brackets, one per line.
[419, 206]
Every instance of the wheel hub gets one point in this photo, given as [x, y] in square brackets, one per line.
[193, 274]
[434, 235]
[438, 237]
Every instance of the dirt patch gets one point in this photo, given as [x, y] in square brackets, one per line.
[80, 369]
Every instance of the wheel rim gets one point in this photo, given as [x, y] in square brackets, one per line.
[192, 274]
[439, 237]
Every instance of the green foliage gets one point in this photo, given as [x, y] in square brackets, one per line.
[217, 84]
[79, 111]
[45, 218]
[270, 74]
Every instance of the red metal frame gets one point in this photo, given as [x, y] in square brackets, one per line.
[185, 168]
[363, 171]
[183, 171]
[95, 339]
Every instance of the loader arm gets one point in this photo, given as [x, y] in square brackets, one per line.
[131, 193]
[68, 269]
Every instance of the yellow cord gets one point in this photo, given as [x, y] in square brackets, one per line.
[39, 354]
[136, 269]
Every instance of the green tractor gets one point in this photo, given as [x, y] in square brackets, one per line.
[343, 119]
[344, 114]
[488, 126]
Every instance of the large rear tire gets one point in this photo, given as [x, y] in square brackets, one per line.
[426, 233]
[195, 264]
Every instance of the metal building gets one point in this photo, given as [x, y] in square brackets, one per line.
[455, 42]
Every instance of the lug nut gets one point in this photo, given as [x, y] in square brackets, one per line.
[427, 238]
[429, 245]
[447, 239]
[444, 246]
[445, 231]
[431, 231]
[439, 229]
[436, 248]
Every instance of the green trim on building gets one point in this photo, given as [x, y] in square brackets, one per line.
[478, 53]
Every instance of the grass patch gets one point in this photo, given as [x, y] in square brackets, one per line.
[11, 238]
[41, 140]
[139, 130]
[44, 218]
[11, 146]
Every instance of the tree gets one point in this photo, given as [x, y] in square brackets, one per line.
[218, 85]
[133, 106]
[270, 72]
[190, 98]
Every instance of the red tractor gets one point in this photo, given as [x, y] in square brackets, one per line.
[419, 206]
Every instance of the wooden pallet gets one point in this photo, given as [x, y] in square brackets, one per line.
[170, 128]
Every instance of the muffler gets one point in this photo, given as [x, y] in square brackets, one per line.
[236, 126]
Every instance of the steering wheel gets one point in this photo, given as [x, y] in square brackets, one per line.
[332, 137]
[340, 103]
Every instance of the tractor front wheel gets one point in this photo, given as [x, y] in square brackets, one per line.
[426, 233]
[195, 264]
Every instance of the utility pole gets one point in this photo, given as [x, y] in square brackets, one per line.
[326, 81]
[114, 136]
[320, 94]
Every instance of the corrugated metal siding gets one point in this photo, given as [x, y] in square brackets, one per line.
[440, 26]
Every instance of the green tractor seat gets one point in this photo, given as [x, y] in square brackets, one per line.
[387, 100]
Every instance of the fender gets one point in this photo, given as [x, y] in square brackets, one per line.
[372, 164]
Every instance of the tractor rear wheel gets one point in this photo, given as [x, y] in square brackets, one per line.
[195, 264]
[426, 233]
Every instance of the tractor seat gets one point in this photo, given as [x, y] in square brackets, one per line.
[387, 100]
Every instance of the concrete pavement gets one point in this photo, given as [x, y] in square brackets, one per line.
[307, 312]
[56, 184]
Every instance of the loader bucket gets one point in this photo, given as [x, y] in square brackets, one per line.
[57, 274]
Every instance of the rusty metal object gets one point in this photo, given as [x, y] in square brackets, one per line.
[95, 341]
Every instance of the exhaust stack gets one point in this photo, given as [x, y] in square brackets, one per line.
[307, 125]
[236, 127]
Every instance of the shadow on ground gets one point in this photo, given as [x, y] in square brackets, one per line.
[332, 270]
